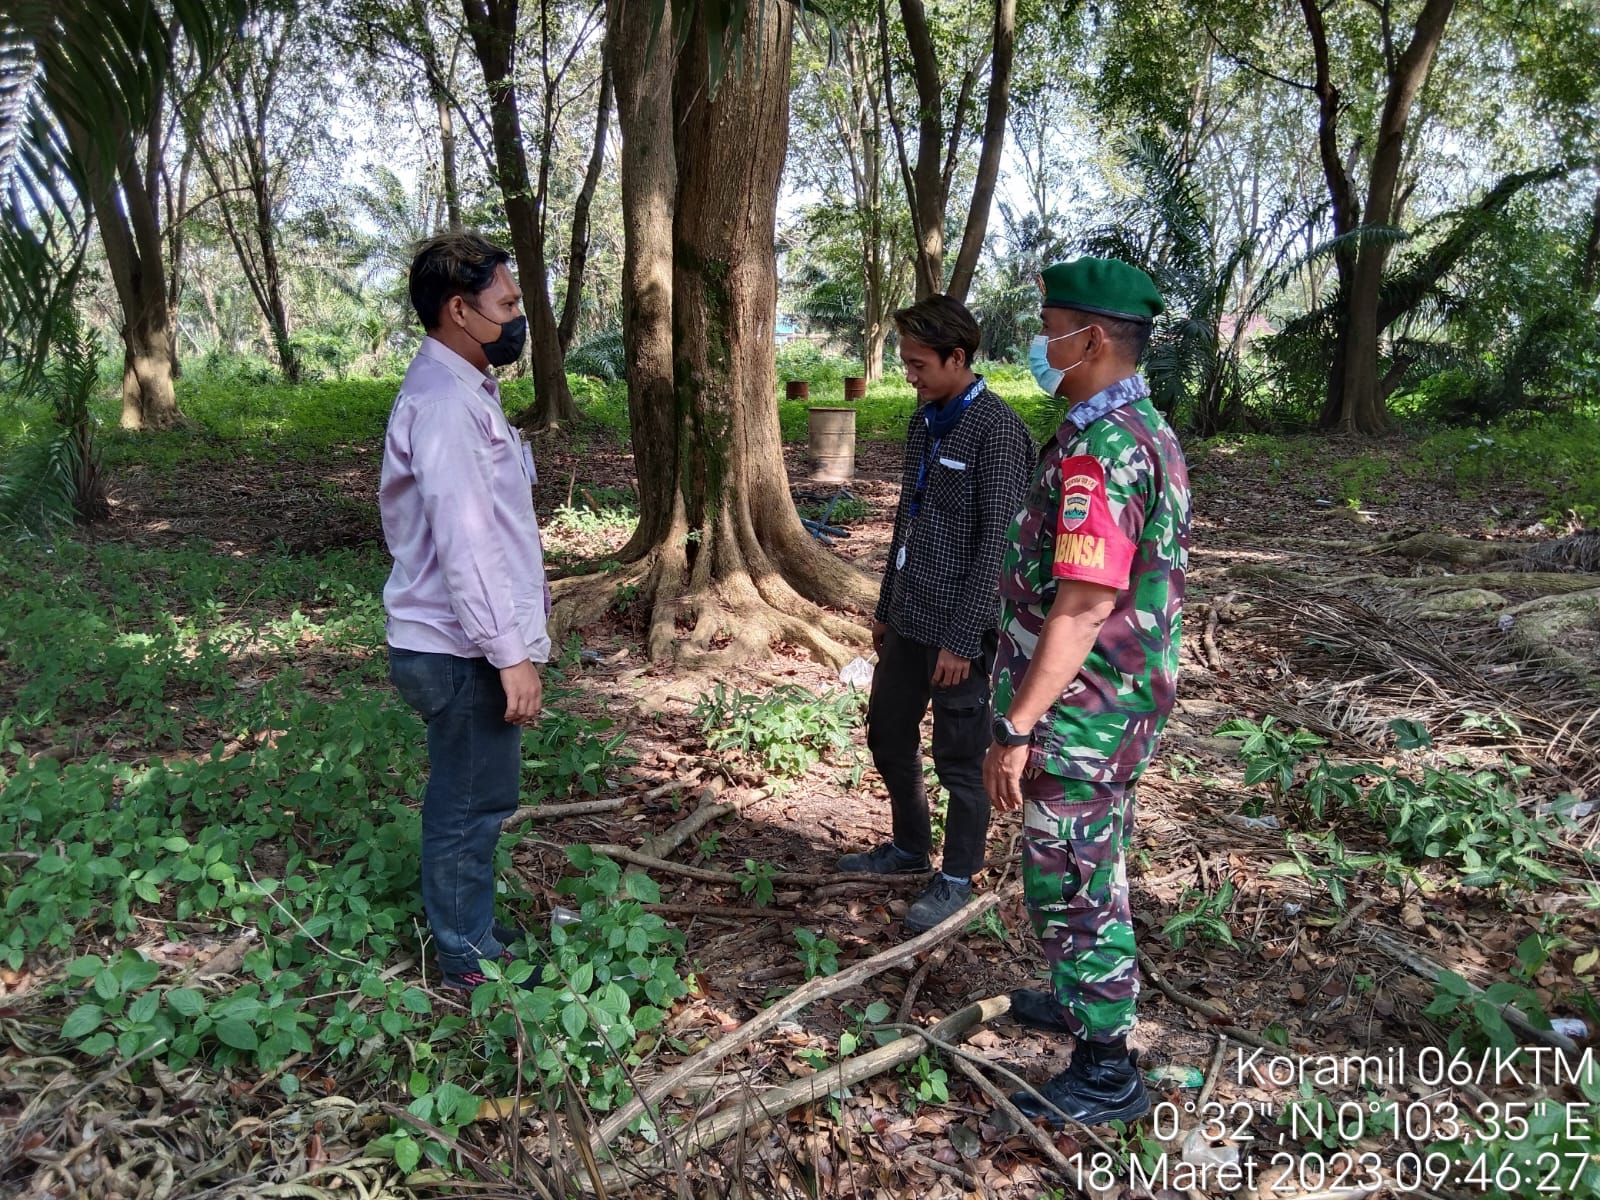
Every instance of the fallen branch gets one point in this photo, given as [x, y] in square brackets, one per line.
[928, 964]
[668, 840]
[807, 994]
[1356, 912]
[1213, 1073]
[709, 1131]
[1039, 1137]
[1427, 969]
[1215, 1013]
[1208, 639]
[555, 812]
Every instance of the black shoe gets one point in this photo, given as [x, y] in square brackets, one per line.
[942, 899]
[884, 860]
[1039, 1009]
[1101, 1085]
[470, 981]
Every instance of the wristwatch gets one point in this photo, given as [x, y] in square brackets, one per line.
[1007, 734]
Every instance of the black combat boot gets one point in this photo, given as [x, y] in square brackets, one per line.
[1101, 1085]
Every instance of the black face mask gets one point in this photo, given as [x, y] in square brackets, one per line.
[506, 348]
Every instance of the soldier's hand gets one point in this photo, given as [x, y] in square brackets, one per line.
[880, 630]
[1002, 776]
[951, 669]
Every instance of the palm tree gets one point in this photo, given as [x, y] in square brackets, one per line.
[75, 80]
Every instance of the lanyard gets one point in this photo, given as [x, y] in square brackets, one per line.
[958, 406]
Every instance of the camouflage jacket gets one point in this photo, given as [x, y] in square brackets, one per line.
[1109, 504]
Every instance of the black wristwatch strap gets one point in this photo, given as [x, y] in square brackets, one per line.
[1008, 734]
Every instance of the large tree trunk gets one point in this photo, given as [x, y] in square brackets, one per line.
[925, 184]
[578, 255]
[447, 160]
[731, 567]
[1355, 401]
[130, 231]
[493, 27]
[1003, 51]
[642, 70]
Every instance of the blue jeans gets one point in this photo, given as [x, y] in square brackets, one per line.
[475, 767]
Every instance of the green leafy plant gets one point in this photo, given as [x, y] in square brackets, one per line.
[929, 1084]
[755, 881]
[1270, 752]
[1478, 1015]
[788, 730]
[819, 954]
[1206, 919]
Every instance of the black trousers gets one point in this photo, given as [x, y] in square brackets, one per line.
[902, 687]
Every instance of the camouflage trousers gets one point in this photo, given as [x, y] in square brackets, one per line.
[1075, 843]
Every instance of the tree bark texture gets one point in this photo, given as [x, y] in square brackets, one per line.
[642, 71]
[1003, 52]
[447, 160]
[492, 25]
[1355, 400]
[928, 180]
[730, 569]
[578, 255]
[130, 230]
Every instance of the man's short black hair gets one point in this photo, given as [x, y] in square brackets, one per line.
[451, 264]
[1131, 337]
[942, 324]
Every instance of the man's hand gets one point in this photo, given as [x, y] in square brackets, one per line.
[880, 630]
[524, 693]
[1002, 776]
[951, 669]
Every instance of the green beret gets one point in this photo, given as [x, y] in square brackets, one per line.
[1107, 287]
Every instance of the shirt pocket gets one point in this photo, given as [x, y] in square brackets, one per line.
[950, 484]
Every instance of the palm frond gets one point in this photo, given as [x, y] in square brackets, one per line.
[98, 71]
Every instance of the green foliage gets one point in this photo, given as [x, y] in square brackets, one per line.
[1527, 1150]
[820, 955]
[929, 1084]
[600, 357]
[1206, 919]
[54, 477]
[1477, 1015]
[805, 361]
[294, 828]
[1553, 456]
[846, 510]
[1472, 820]
[788, 730]
[567, 753]
[887, 408]
[755, 881]
[1269, 752]
[875, 1013]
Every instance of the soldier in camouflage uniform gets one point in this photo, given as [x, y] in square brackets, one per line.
[1092, 595]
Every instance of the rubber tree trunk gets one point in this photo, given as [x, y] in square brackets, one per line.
[492, 25]
[641, 71]
[726, 566]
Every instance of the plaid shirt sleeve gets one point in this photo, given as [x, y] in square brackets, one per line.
[1005, 463]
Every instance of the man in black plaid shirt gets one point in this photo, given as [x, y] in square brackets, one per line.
[968, 460]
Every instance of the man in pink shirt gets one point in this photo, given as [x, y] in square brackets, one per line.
[467, 600]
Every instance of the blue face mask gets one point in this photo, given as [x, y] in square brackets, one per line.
[1049, 378]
